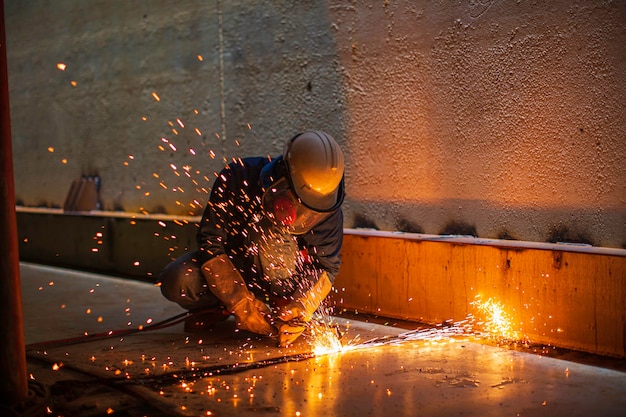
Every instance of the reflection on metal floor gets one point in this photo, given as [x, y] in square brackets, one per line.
[223, 372]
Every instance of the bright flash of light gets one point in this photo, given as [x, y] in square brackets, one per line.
[494, 322]
[325, 340]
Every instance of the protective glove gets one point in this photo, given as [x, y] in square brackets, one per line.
[289, 332]
[298, 312]
[227, 284]
[253, 314]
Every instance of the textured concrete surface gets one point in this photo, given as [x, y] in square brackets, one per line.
[222, 373]
[498, 116]
[491, 118]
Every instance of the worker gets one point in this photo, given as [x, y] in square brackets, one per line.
[268, 242]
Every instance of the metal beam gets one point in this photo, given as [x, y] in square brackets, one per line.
[13, 380]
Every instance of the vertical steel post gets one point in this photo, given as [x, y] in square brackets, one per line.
[13, 379]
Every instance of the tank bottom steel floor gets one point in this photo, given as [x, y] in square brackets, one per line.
[379, 371]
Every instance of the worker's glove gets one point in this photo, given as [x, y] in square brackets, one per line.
[227, 284]
[289, 332]
[298, 312]
[253, 314]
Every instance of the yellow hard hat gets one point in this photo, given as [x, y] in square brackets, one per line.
[315, 166]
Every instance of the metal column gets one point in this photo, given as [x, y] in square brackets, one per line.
[13, 379]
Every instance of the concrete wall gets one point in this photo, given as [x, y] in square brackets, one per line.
[493, 118]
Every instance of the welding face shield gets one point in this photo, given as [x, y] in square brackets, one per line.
[284, 209]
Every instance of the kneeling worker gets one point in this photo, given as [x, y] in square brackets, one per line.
[269, 239]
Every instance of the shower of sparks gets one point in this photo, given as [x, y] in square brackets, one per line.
[491, 322]
[325, 339]
[495, 321]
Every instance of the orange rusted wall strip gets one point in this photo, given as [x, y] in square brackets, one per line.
[566, 296]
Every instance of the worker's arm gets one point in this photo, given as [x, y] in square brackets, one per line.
[324, 242]
[233, 203]
[225, 215]
[216, 219]
[227, 284]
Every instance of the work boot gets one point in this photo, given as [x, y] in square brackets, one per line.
[205, 319]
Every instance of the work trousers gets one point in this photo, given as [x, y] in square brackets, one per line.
[183, 283]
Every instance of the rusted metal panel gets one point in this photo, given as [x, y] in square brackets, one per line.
[553, 295]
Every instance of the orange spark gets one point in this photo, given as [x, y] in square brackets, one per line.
[497, 322]
[325, 340]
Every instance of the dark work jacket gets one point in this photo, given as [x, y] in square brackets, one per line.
[234, 215]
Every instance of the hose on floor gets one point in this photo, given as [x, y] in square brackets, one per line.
[171, 321]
